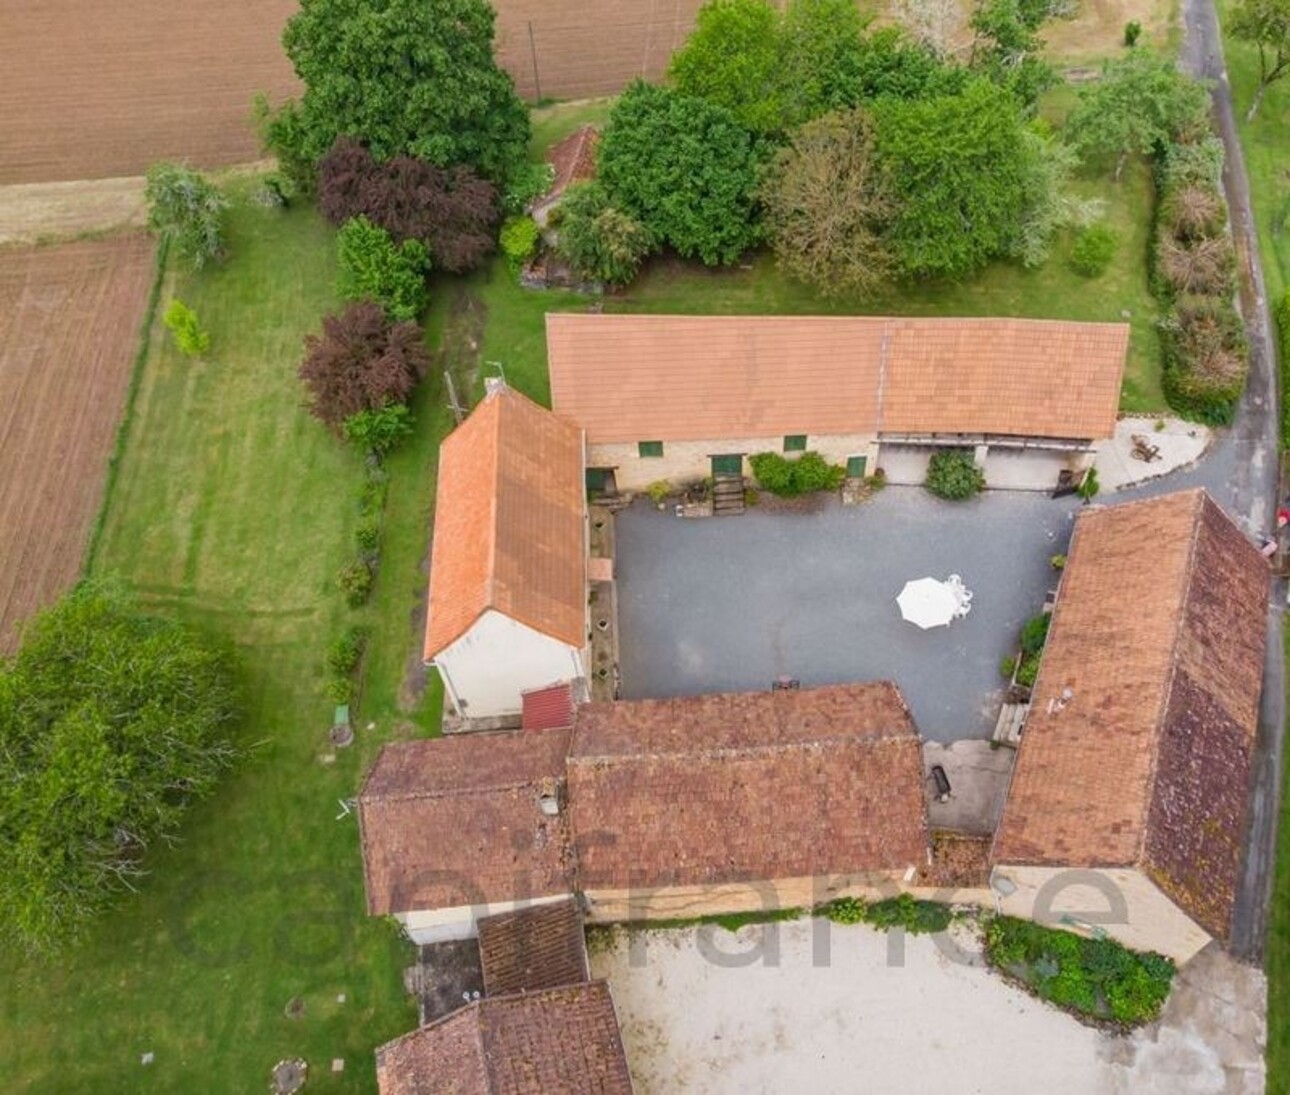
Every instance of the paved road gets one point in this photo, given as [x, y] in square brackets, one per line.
[1243, 474]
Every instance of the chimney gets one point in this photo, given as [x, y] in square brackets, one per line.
[493, 385]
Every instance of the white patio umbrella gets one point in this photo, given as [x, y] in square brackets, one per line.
[928, 603]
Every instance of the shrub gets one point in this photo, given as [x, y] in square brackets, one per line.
[1007, 667]
[846, 910]
[1282, 317]
[182, 323]
[1094, 250]
[373, 266]
[658, 491]
[187, 210]
[916, 917]
[1089, 485]
[597, 239]
[1034, 633]
[346, 652]
[1204, 359]
[367, 535]
[1204, 267]
[339, 689]
[380, 430]
[953, 474]
[519, 240]
[451, 210]
[361, 362]
[789, 478]
[1132, 32]
[525, 185]
[1192, 211]
[1028, 672]
[1197, 163]
[355, 580]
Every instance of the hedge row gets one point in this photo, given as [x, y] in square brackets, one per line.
[1283, 328]
[1193, 274]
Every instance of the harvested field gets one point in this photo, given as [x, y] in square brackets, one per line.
[69, 326]
[101, 90]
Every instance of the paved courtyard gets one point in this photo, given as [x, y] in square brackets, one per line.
[729, 604]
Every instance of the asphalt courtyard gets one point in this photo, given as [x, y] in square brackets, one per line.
[731, 604]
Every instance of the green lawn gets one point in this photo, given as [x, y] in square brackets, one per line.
[232, 509]
[1266, 143]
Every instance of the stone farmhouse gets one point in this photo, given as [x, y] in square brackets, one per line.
[1135, 764]
[684, 397]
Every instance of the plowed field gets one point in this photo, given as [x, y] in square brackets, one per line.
[94, 90]
[69, 327]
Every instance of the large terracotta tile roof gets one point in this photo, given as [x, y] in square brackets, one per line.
[540, 947]
[508, 530]
[455, 821]
[536, 1043]
[729, 788]
[627, 378]
[1138, 747]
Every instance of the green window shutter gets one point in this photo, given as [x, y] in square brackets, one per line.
[856, 466]
[649, 448]
[795, 442]
[596, 479]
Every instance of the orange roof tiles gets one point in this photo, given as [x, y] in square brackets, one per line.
[728, 788]
[1138, 746]
[627, 378]
[508, 530]
[534, 1043]
[456, 821]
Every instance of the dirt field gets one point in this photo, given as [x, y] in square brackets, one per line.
[69, 325]
[99, 90]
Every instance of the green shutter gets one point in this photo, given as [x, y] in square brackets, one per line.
[728, 464]
[856, 466]
[596, 478]
[795, 442]
[649, 448]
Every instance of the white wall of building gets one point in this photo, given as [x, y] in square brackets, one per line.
[426, 926]
[486, 670]
[1006, 468]
[686, 461]
[1121, 901]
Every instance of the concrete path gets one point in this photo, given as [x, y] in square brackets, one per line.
[1181, 444]
[978, 772]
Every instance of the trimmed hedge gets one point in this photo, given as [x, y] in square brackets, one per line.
[1097, 978]
[1205, 359]
[789, 478]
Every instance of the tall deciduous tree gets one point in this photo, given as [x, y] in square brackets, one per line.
[1265, 23]
[111, 723]
[403, 76]
[1142, 99]
[361, 362]
[957, 168]
[188, 210]
[732, 60]
[451, 210]
[683, 168]
[828, 205]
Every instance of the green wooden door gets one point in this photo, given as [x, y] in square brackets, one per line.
[856, 466]
[728, 464]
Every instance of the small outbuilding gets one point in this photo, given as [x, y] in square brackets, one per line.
[508, 578]
[1128, 807]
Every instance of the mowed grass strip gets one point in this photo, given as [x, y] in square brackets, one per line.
[232, 510]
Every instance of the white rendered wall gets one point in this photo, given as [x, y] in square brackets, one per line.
[462, 922]
[498, 659]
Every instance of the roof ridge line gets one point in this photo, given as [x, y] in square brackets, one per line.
[1189, 575]
[884, 356]
[462, 792]
[747, 750]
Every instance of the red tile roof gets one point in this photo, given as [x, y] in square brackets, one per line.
[509, 524]
[549, 708]
[540, 947]
[728, 788]
[1139, 743]
[455, 821]
[627, 378]
[537, 1043]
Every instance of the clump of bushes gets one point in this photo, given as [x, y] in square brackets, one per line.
[1094, 250]
[1205, 358]
[790, 478]
[519, 240]
[373, 266]
[343, 658]
[954, 475]
[379, 430]
[1098, 978]
[182, 323]
[597, 239]
[914, 916]
[1034, 633]
[355, 581]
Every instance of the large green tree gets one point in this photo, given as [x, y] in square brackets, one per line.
[403, 76]
[111, 722]
[828, 206]
[685, 169]
[957, 168]
[1141, 100]
[1265, 23]
[186, 209]
[731, 59]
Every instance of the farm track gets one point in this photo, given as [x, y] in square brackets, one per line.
[69, 326]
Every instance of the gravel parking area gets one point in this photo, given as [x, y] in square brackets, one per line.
[730, 604]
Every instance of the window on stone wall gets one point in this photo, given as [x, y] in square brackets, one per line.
[649, 448]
